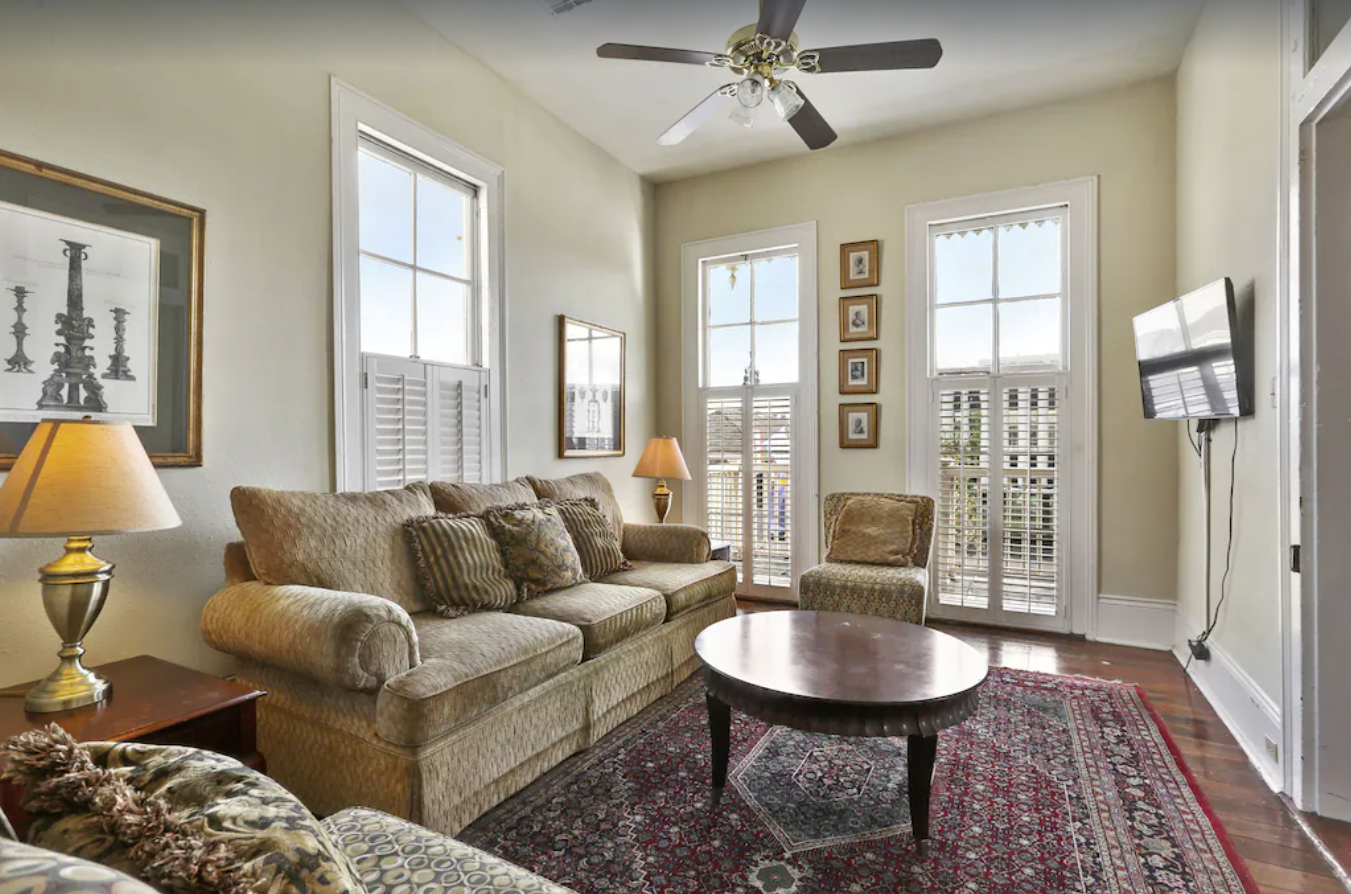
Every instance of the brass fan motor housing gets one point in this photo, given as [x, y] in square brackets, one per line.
[749, 52]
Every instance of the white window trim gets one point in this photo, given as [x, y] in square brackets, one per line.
[352, 111]
[806, 524]
[1081, 198]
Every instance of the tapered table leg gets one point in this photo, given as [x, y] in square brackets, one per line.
[720, 731]
[920, 754]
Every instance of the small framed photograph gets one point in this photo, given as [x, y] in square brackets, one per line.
[858, 425]
[858, 371]
[860, 265]
[858, 318]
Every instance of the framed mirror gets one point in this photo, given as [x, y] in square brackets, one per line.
[591, 390]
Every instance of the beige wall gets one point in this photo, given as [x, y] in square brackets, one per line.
[1228, 168]
[226, 106]
[1126, 137]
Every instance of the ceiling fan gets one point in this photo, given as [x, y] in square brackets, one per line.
[760, 55]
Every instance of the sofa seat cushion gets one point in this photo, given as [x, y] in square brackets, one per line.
[605, 614]
[470, 665]
[684, 587]
[390, 854]
[885, 590]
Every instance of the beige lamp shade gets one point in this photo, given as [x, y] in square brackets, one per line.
[662, 459]
[83, 477]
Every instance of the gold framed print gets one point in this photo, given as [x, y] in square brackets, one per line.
[860, 265]
[858, 371]
[591, 389]
[858, 425]
[858, 318]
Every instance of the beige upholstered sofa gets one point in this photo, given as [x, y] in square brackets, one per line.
[393, 707]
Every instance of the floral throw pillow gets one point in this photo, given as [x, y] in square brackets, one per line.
[536, 548]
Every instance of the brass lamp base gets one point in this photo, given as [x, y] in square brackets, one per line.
[661, 501]
[74, 588]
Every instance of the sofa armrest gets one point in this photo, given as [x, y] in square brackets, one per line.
[351, 640]
[675, 544]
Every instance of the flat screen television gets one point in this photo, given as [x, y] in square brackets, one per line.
[1192, 363]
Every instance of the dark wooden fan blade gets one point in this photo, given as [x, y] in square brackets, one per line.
[880, 56]
[778, 18]
[694, 118]
[809, 124]
[653, 54]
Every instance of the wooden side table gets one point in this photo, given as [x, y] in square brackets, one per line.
[153, 701]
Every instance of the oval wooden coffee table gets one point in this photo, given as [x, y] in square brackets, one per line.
[845, 675]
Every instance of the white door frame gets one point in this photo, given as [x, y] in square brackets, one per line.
[1308, 95]
[1081, 453]
[693, 434]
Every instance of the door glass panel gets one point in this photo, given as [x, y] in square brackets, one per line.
[963, 523]
[1327, 18]
[1029, 259]
[723, 496]
[776, 289]
[385, 203]
[776, 353]
[729, 355]
[729, 294]
[1029, 335]
[964, 266]
[772, 496]
[963, 338]
[386, 308]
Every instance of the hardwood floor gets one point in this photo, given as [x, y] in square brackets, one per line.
[1281, 855]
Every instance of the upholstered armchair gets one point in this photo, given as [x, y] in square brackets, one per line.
[878, 548]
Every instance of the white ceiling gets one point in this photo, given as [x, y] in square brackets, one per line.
[998, 55]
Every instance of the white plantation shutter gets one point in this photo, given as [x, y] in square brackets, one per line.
[772, 469]
[1031, 452]
[726, 453]
[963, 524]
[423, 422]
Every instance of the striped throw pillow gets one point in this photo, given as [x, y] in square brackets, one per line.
[460, 565]
[593, 536]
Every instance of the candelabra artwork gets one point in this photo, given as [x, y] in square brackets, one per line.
[19, 362]
[119, 365]
[73, 376]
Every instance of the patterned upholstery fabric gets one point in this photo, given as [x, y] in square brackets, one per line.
[470, 665]
[460, 565]
[885, 590]
[237, 567]
[874, 531]
[675, 544]
[594, 538]
[607, 615]
[268, 832]
[576, 487]
[351, 640]
[352, 542]
[453, 498]
[921, 538]
[684, 587]
[393, 855]
[536, 547]
[31, 870]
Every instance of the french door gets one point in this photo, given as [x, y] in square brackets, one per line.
[1000, 308]
[750, 409]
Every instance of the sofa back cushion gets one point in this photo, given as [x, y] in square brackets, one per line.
[594, 538]
[536, 548]
[459, 565]
[353, 542]
[453, 498]
[576, 487]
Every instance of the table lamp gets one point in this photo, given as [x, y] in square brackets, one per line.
[78, 479]
[661, 460]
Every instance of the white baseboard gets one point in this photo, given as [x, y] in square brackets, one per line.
[1246, 710]
[1136, 621]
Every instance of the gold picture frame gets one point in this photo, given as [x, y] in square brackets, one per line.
[858, 318]
[591, 405]
[858, 371]
[858, 425]
[860, 265]
[176, 438]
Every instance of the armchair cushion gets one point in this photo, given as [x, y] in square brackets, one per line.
[352, 640]
[390, 854]
[470, 665]
[352, 541]
[675, 544]
[575, 487]
[874, 530]
[884, 590]
[921, 523]
[684, 586]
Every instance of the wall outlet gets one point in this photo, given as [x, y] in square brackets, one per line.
[1273, 749]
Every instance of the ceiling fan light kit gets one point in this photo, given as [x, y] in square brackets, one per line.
[760, 55]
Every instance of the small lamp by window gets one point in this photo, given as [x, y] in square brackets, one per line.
[661, 460]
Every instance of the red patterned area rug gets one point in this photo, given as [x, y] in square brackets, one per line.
[1057, 784]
